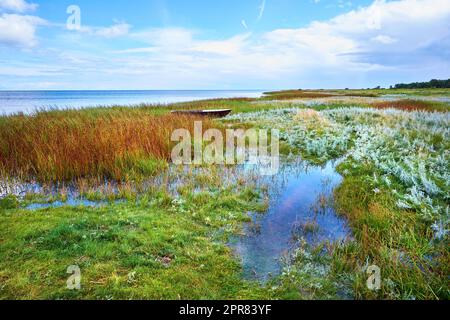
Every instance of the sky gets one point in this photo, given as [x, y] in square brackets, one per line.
[221, 44]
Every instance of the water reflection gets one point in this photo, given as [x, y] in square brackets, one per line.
[69, 203]
[299, 197]
[300, 207]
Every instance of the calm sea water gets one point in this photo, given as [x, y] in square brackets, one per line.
[29, 101]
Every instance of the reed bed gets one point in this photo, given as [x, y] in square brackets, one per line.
[311, 94]
[412, 105]
[67, 145]
[296, 94]
[394, 195]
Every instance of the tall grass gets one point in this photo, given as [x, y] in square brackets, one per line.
[412, 105]
[316, 94]
[394, 193]
[66, 145]
[296, 94]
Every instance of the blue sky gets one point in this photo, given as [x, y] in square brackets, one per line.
[222, 44]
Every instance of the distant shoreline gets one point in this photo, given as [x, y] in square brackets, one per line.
[29, 101]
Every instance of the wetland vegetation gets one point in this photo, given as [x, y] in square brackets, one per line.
[141, 228]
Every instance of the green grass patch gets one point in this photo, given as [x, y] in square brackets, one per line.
[154, 248]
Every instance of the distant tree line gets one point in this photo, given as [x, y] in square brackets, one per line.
[424, 85]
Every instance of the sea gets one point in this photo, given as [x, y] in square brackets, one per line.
[27, 102]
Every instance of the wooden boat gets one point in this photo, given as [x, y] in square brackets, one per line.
[205, 113]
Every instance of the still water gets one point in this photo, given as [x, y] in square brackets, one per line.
[29, 101]
[300, 207]
[300, 199]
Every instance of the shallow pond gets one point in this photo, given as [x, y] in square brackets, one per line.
[300, 207]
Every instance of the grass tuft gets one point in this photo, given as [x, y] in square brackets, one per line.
[412, 105]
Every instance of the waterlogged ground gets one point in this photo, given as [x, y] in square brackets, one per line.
[294, 205]
[300, 207]
[394, 193]
[374, 173]
[67, 203]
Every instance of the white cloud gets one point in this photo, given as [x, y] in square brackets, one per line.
[117, 30]
[16, 29]
[352, 44]
[19, 30]
[348, 46]
[400, 26]
[139, 50]
[17, 5]
[166, 38]
[232, 46]
[396, 37]
[384, 39]
[183, 41]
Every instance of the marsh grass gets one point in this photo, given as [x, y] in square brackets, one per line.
[381, 92]
[118, 142]
[66, 145]
[157, 246]
[296, 94]
[125, 143]
[317, 94]
[394, 195]
[399, 241]
[412, 105]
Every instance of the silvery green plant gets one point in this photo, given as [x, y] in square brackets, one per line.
[411, 148]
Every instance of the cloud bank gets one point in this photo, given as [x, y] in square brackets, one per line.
[386, 41]
[17, 5]
[17, 29]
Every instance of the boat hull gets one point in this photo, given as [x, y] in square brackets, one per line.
[205, 113]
